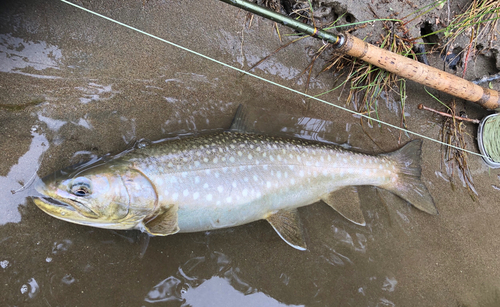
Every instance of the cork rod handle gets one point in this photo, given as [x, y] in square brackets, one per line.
[420, 73]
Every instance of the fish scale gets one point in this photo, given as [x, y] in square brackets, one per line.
[227, 179]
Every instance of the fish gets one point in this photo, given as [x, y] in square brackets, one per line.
[226, 179]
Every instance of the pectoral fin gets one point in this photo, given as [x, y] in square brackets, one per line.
[287, 225]
[346, 202]
[164, 223]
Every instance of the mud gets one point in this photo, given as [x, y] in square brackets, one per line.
[74, 86]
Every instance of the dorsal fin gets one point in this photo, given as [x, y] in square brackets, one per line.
[163, 223]
[240, 120]
[346, 202]
[287, 225]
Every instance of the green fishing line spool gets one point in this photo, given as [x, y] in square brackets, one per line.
[488, 139]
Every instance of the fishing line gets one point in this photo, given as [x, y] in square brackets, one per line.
[268, 81]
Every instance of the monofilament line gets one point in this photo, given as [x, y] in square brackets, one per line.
[266, 80]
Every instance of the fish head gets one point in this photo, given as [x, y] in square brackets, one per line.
[104, 196]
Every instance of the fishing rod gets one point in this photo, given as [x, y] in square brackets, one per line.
[489, 128]
[407, 68]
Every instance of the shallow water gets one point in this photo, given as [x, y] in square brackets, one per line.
[74, 87]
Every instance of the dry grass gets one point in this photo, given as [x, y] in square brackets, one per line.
[478, 23]
[453, 133]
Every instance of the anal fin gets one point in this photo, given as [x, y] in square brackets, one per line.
[287, 225]
[346, 202]
[163, 223]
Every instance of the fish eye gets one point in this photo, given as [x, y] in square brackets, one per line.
[81, 187]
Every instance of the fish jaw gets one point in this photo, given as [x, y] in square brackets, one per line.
[107, 206]
[59, 204]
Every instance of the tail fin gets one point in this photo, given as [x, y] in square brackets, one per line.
[409, 186]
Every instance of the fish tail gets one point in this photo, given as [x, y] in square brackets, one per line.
[409, 185]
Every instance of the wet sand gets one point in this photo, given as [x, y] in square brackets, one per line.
[78, 86]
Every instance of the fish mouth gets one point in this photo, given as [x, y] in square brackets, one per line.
[59, 203]
[65, 210]
[54, 202]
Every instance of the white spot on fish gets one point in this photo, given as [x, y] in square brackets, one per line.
[196, 179]
[159, 181]
[245, 192]
[301, 173]
[291, 167]
[271, 158]
[185, 192]
[231, 159]
[220, 189]
[268, 184]
[205, 186]
[215, 160]
[255, 178]
[292, 181]
[278, 174]
[217, 174]
[245, 179]
[196, 195]
[175, 196]
[229, 199]
[250, 157]
[207, 171]
[279, 158]
[184, 174]
[205, 160]
[258, 149]
[196, 163]
[240, 153]
[208, 197]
